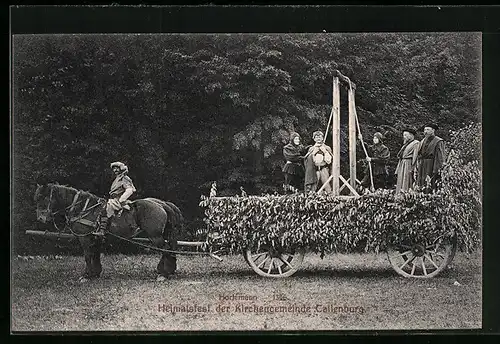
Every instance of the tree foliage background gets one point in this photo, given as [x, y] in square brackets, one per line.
[186, 110]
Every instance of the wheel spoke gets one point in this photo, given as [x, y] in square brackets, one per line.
[270, 266]
[255, 256]
[273, 264]
[401, 254]
[286, 262]
[262, 262]
[440, 254]
[423, 266]
[278, 262]
[430, 259]
[409, 260]
[433, 258]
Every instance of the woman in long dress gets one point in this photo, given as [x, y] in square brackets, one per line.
[294, 167]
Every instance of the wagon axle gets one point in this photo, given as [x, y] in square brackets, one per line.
[273, 253]
[418, 250]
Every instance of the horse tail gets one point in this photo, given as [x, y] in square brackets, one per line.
[177, 212]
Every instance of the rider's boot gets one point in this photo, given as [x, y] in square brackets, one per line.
[103, 225]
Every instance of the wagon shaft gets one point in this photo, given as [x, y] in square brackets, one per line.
[67, 236]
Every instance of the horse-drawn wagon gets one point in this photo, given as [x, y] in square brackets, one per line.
[417, 230]
[275, 231]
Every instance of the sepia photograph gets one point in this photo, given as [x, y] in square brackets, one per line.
[246, 181]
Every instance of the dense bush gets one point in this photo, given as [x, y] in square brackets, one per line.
[461, 190]
[467, 142]
[335, 224]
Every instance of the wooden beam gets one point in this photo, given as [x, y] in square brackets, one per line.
[326, 183]
[328, 125]
[344, 79]
[352, 139]
[71, 236]
[349, 181]
[336, 136]
[343, 185]
[353, 191]
[51, 234]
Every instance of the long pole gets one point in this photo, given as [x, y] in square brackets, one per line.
[364, 149]
[336, 137]
[352, 139]
[328, 125]
[71, 236]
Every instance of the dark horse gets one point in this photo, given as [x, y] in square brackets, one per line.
[157, 218]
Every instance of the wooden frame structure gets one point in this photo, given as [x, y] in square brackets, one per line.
[336, 177]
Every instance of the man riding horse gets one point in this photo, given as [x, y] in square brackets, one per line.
[121, 189]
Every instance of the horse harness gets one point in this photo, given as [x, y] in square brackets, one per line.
[80, 218]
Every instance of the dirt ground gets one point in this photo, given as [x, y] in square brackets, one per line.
[339, 292]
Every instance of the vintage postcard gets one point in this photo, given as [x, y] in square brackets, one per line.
[283, 181]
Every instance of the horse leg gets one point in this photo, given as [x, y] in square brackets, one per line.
[168, 261]
[91, 251]
[96, 258]
[153, 219]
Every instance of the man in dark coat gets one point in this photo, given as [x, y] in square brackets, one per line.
[430, 157]
[293, 170]
[407, 160]
[380, 155]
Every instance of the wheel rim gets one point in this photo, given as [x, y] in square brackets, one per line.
[418, 260]
[272, 262]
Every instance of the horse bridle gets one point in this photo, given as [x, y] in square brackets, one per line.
[48, 210]
[70, 220]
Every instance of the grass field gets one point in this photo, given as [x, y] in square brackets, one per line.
[46, 295]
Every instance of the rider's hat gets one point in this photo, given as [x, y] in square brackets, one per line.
[120, 165]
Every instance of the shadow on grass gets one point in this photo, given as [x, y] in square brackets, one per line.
[350, 273]
[359, 273]
[312, 273]
[63, 273]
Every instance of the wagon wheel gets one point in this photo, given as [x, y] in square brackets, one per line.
[420, 260]
[273, 262]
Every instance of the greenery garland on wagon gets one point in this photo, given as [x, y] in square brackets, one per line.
[324, 224]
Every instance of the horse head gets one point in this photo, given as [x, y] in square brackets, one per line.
[44, 200]
[50, 199]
